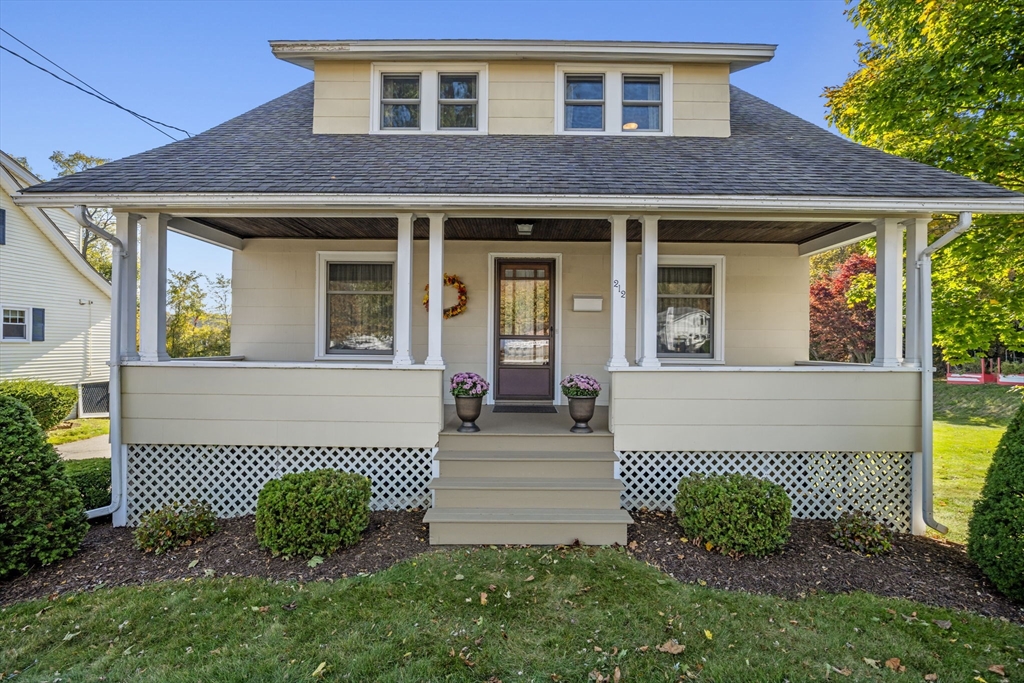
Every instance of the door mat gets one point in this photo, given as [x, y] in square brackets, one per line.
[513, 408]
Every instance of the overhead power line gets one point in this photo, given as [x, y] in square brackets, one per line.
[91, 90]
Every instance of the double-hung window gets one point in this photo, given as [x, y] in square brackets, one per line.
[15, 324]
[625, 99]
[400, 101]
[641, 103]
[584, 102]
[417, 98]
[457, 102]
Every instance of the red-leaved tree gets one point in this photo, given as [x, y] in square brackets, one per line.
[840, 330]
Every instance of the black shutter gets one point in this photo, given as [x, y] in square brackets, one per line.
[3, 226]
[38, 324]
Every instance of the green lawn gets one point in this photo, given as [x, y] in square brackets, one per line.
[549, 616]
[84, 428]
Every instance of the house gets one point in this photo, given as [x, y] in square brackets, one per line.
[590, 197]
[56, 307]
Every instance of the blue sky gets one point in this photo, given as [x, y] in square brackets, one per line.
[194, 64]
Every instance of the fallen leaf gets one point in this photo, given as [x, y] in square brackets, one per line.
[931, 677]
[69, 635]
[873, 663]
[842, 672]
[644, 648]
[315, 561]
[707, 634]
[893, 663]
[264, 609]
[459, 577]
[289, 607]
[708, 546]
[319, 672]
[943, 624]
[528, 579]
[193, 563]
[483, 598]
[597, 649]
[684, 539]
[632, 545]
[998, 669]
[616, 675]
[672, 647]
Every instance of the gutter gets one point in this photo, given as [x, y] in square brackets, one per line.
[117, 451]
[924, 272]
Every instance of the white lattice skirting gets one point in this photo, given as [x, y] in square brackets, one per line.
[230, 477]
[821, 485]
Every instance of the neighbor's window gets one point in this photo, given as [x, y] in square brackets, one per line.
[641, 103]
[15, 324]
[584, 102]
[360, 308]
[686, 308]
[457, 102]
[400, 101]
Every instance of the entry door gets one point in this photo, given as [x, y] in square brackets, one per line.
[524, 348]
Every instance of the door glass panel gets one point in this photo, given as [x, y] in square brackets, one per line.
[524, 308]
[523, 351]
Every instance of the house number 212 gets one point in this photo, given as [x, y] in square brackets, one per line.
[619, 288]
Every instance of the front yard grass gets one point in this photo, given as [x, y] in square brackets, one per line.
[493, 614]
[83, 428]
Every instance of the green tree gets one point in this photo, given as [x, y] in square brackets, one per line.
[192, 330]
[943, 83]
[96, 251]
[23, 162]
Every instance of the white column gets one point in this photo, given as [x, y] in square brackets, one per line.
[917, 241]
[649, 302]
[888, 294]
[403, 292]
[617, 358]
[126, 226]
[435, 314]
[153, 289]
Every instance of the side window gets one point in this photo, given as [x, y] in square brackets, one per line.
[15, 324]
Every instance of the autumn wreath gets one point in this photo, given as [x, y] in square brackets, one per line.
[451, 311]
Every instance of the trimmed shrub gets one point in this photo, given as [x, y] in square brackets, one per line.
[174, 526]
[862, 533]
[995, 538]
[312, 513]
[42, 518]
[737, 514]
[49, 403]
[92, 479]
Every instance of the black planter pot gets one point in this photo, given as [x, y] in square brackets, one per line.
[468, 409]
[581, 409]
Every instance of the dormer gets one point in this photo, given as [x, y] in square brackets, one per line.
[512, 87]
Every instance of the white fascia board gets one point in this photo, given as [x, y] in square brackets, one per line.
[839, 238]
[632, 204]
[305, 52]
[205, 233]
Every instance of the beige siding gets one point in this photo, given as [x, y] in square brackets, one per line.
[808, 410]
[250, 406]
[700, 100]
[521, 98]
[341, 103]
[35, 274]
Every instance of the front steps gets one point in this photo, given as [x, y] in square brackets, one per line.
[526, 489]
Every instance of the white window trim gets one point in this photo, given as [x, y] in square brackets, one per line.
[322, 259]
[718, 316]
[27, 310]
[429, 73]
[613, 74]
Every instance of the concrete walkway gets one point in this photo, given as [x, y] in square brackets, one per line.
[96, 447]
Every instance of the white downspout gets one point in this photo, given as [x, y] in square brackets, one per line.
[116, 275]
[924, 272]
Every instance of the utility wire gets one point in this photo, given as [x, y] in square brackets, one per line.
[92, 91]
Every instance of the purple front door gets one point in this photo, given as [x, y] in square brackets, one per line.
[524, 348]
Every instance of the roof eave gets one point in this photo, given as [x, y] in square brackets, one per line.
[305, 52]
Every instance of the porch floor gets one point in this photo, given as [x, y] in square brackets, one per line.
[539, 424]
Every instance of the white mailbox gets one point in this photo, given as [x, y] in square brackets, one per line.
[587, 302]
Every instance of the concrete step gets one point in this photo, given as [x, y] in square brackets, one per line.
[486, 441]
[526, 492]
[549, 464]
[540, 526]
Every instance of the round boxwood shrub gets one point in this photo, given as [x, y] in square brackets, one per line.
[92, 479]
[737, 514]
[173, 526]
[49, 403]
[42, 518]
[995, 539]
[312, 513]
[862, 533]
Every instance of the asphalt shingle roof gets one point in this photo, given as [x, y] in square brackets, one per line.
[272, 149]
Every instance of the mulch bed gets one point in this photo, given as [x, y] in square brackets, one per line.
[108, 558]
[923, 569]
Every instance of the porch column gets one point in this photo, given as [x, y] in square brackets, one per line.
[126, 230]
[435, 313]
[649, 303]
[153, 289]
[888, 293]
[917, 240]
[617, 359]
[403, 292]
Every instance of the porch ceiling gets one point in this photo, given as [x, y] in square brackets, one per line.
[544, 230]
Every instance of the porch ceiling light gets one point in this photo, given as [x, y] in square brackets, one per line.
[524, 229]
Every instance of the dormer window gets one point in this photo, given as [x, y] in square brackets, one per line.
[641, 103]
[598, 99]
[584, 102]
[441, 97]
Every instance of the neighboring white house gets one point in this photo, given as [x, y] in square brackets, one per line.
[56, 307]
